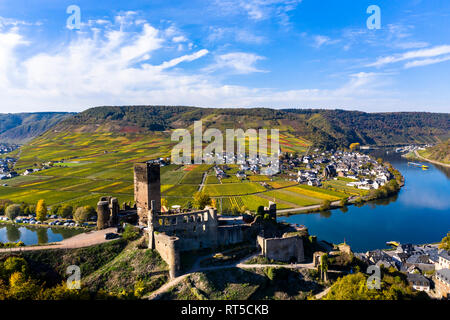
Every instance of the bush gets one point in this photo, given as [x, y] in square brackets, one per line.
[13, 211]
[326, 205]
[82, 214]
[65, 211]
[201, 200]
[130, 232]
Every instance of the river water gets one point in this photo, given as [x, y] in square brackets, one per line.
[34, 235]
[419, 214]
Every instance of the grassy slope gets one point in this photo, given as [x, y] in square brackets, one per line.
[238, 284]
[100, 146]
[112, 266]
[440, 152]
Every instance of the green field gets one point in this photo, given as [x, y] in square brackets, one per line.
[233, 189]
[101, 163]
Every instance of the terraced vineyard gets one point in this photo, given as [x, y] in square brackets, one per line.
[99, 163]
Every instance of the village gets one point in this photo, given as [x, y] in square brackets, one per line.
[312, 169]
[427, 267]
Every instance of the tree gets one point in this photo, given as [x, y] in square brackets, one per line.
[445, 243]
[65, 211]
[326, 205]
[164, 203]
[41, 210]
[260, 211]
[324, 266]
[55, 209]
[354, 146]
[201, 200]
[82, 214]
[13, 211]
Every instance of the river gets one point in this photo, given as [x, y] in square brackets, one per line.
[34, 235]
[420, 213]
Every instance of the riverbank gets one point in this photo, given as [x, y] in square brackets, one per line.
[81, 240]
[431, 161]
[44, 226]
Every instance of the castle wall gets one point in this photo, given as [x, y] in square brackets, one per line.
[230, 234]
[167, 247]
[282, 249]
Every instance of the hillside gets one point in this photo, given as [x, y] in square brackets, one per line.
[19, 128]
[100, 145]
[440, 152]
[326, 128]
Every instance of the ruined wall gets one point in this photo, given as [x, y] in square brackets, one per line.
[228, 235]
[196, 230]
[147, 187]
[167, 247]
[286, 249]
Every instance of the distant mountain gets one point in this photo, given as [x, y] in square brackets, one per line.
[19, 128]
[324, 128]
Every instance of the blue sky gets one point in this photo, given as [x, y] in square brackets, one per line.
[229, 53]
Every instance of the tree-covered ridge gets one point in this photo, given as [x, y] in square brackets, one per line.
[22, 127]
[326, 128]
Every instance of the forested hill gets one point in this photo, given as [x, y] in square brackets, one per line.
[21, 127]
[325, 128]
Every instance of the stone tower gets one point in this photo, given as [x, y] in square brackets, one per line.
[147, 187]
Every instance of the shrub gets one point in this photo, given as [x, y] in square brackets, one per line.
[326, 205]
[130, 232]
[201, 200]
[13, 211]
[65, 211]
[82, 214]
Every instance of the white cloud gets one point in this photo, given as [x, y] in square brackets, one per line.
[179, 39]
[237, 34]
[425, 62]
[118, 65]
[320, 40]
[190, 57]
[259, 9]
[423, 53]
[236, 63]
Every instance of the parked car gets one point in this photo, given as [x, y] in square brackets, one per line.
[110, 235]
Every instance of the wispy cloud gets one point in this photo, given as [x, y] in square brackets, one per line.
[320, 40]
[416, 54]
[236, 63]
[188, 57]
[425, 62]
[258, 10]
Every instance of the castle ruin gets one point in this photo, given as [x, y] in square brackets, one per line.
[172, 233]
